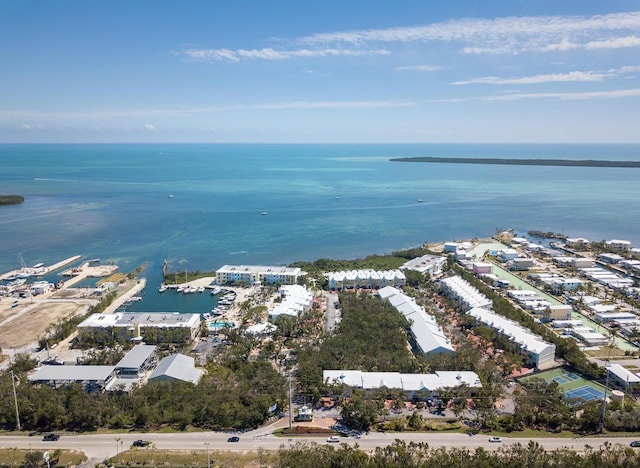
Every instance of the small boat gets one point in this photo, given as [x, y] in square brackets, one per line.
[420, 200]
[216, 290]
[163, 288]
[200, 289]
[171, 196]
[207, 316]
[264, 213]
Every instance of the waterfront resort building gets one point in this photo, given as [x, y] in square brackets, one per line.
[369, 279]
[412, 384]
[532, 347]
[616, 245]
[432, 264]
[427, 336]
[150, 327]
[256, 274]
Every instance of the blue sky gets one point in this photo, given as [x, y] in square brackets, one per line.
[330, 71]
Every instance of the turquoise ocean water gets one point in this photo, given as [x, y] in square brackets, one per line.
[200, 205]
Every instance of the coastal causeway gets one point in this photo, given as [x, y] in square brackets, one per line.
[522, 162]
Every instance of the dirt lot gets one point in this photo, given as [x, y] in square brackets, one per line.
[23, 325]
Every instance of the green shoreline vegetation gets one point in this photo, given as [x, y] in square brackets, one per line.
[522, 162]
[11, 199]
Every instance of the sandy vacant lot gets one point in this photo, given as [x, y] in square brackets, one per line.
[23, 325]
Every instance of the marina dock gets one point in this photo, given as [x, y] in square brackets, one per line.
[40, 271]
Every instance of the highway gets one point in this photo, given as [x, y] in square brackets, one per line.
[100, 447]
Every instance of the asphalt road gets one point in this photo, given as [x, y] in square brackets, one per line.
[99, 447]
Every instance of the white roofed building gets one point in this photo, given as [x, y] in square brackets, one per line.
[411, 384]
[426, 335]
[623, 378]
[431, 264]
[617, 245]
[296, 300]
[152, 327]
[460, 291]
[257, 274]
[369, 279]
[532, 347]
[176, 367]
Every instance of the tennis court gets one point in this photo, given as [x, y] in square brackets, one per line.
[585, 393]
[574, 387]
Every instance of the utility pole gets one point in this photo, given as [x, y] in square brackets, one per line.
[208, 462]
[15, 399]
[290, 403]
[604, 399]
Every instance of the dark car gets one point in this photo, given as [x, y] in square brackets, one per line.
[51, 437]
[635, 443]
[141, 443]
[233, 439]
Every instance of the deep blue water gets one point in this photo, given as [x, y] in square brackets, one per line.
[199, 206]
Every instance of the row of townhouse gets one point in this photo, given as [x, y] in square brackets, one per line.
[295, 300]
[426, 335]
[530, 346]
[606, 278]
[416, 386]
[369, 279]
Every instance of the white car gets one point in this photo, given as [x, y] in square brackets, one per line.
[495, 439]
[333, 439]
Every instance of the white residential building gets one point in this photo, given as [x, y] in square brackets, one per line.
[427, 336]
[369, 279]
[537, 351]
[296, 300]
[431, 264]
[461, 291]
[412, 384]
[257, 274]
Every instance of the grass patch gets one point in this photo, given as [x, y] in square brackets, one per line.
[304, 430]
[193, 458]
[16, 456]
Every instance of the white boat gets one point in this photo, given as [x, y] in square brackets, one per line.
[207, 316]
[216, 290]
[200, 289]
[264, 213]
[163, 288]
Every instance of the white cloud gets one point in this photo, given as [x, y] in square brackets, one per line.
[213, 55]
[151, 127]
[614, 94]
[574, 76]
[187, 111]
[615, 43]
[420, 68]
[507, 34]
[30, 127]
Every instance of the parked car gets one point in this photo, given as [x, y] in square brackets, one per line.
[141, 443]
[635, 443]
[51, 437]
[333, 439]
[495, 439]
[233, 439]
